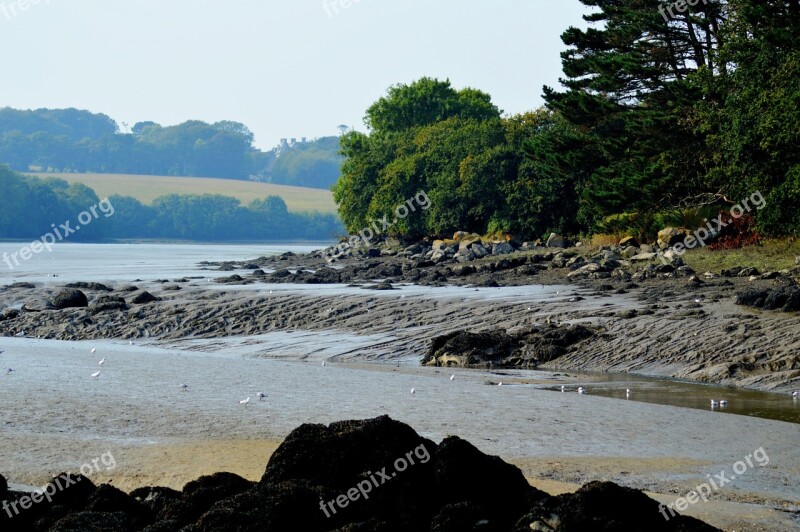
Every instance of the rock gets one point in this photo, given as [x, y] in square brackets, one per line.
[628, 242]
[9, 314]
[503, 248]
[629, 252]
[783, 298]
[108, 303]
[644, 248]
[584, 271]
[144, 298]
[670, 236]
[747, 272]
[528, 246]
[439, 245]
[463, 270]
[479, 250]
[465, 255]
[90, 286]
[526, 348]
[557, 241]
[616, 507]
[3, 488]
[644, 257]
[70, 298]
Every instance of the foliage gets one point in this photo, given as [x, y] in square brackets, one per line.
[29, 207]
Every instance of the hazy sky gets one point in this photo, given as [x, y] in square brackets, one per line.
[285, 68]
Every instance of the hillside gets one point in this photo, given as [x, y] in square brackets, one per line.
[148, 188]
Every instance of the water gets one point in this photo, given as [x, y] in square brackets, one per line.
[126, 262]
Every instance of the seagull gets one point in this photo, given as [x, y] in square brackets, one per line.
[9, 371]
[103, 361]
[723, 402]
[261, 395]
[20, 334]
[500, 383]
[96, 374]
[796, 394]
[244, 401]
[94, 350]
[130, 342]
[581, 390]
[413, 391]
[627, 392]
[184, 387]
[323, 363]
[714, 403]
[452, 377]
[2, 351]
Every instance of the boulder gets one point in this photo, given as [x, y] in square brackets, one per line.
[644, 257]
[90, 286]
[503, 248]
[557, 241]
[70, 298]
[108, 303]
[144, 298]
[629, 252]
[628, 241]
[670, 236]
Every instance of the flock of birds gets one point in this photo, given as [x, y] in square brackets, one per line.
[261, 395]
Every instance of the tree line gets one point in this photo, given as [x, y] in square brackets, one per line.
[71, 140]
[665, 115]
[29, 207]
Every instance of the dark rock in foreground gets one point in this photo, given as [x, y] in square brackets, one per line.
[372, 475]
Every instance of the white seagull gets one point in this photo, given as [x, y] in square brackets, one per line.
[323, 363]
[94, 350]
[96, 374]
[452, 377]
[714, 403]
[627, 392]
[562, 388]
[723, 402]
[796, 394]
[20, 334]
[184, 387]
[261, 395]
[9, 371]
[413, 391]
[581, 390]
[102, 361]
[244, 401]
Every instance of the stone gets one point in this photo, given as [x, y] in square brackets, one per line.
[503, 248]
[644, 257]
[628, 241]
[670, 236]
[557, 241]
[629, 252]
[70, 298]
[144, 298]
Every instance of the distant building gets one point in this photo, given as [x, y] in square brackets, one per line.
[288, 144]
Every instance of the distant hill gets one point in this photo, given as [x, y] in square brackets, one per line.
[147, 188]
[72, 140]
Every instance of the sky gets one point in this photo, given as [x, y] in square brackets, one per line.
[285, 68]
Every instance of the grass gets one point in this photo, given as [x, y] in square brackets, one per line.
[769, 256]
[146, 188]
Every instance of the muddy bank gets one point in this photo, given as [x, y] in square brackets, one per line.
[653, 320]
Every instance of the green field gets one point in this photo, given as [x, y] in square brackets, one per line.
[146, 188]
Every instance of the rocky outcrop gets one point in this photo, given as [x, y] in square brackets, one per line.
[784, 298]
[604, 506]
[144, 298]
[527, 348]
[370, 475]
